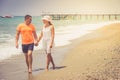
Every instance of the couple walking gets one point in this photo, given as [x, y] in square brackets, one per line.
[29, 39]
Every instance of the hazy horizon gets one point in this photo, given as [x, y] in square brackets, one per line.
[37, 7]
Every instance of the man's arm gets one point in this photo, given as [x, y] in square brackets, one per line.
[17, 38]
[35, 37]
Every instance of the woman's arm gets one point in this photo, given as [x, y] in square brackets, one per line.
[52, 36]
[41, 35]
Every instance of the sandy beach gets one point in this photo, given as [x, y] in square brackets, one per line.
[94, 57]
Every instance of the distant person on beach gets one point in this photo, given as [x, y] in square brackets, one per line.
[29, 39]
[47, 34]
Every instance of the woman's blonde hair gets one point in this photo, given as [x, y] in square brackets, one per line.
[50, 23]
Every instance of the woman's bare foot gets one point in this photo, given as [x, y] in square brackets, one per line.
[53, 66]
[46, 69]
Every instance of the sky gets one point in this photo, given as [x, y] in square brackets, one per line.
[37, 7]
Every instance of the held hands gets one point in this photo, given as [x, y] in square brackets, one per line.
[36, 43]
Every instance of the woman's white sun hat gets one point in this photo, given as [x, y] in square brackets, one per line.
[47, 18]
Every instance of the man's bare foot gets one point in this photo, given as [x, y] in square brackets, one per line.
[29, 70]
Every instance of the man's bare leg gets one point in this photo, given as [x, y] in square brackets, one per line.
[26, 58]
[30, 61]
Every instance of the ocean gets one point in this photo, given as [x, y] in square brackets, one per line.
[65, 31]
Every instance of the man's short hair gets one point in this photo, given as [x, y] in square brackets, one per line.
[27, 16]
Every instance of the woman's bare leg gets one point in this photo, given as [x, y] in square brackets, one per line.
[47, 62]
[51, 59]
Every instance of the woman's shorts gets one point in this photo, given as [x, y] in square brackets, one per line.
[27, 47]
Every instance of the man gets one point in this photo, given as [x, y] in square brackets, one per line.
[29, 38]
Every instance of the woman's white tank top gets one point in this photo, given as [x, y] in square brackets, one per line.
[46, 33]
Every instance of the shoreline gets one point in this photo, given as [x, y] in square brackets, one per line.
[67, 33]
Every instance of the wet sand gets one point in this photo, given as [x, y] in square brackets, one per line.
[15, 67]
[95, 56]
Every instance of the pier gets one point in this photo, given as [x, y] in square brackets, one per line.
[79, 16]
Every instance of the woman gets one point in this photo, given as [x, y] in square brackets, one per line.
[47, 34]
